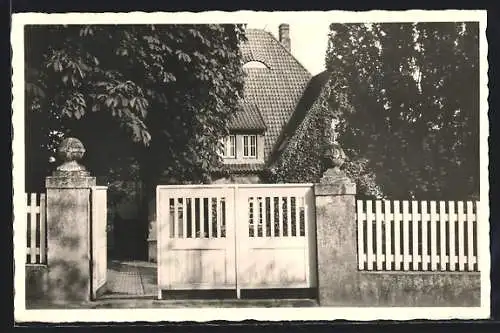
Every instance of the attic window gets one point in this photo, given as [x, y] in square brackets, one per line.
[255, 64]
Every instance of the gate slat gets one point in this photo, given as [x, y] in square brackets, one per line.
[470, 235]
[176, 233]
[271, 216]
[289, 216]
[264, 217]
[33, 214]
[281, 201]
[478, 214]
[202, 217]
[209, 212]
[297, 217]
[255, 218]
[184, 217]
[194, 234]
[218, 217]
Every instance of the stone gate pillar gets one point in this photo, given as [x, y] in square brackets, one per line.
[68, 226]
[336, 233]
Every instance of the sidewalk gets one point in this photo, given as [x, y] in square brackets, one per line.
[130, 279]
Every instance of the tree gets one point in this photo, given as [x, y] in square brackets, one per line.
[406, 96]
[163, 92]
[414, 90]
[147, 101]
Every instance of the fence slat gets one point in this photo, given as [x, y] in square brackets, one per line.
[209, 217]
[359, 219]
[415, 226]
[470, 236]
[433, 226]
[424, 215]
[443, 220]
[461, 243]
[378, 233]
[406, 236]
[397, 236]
[452, 220]
[369, 234]
[43, 224]
[33, 214]
[388, 229]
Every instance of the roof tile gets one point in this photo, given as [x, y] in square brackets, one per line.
[275, 90]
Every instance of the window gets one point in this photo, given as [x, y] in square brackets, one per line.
[250, 146]
[230, 146]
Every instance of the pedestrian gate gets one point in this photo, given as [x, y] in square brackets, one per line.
[236, 237]
[98, 238]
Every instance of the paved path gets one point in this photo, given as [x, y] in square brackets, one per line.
[132, 278]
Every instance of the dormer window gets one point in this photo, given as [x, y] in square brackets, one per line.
[230, 146]
[250, 146]
[255, 64]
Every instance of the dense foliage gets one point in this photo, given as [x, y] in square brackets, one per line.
[144, 99]
[407, 97]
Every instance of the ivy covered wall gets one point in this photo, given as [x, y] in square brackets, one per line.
[302, 160]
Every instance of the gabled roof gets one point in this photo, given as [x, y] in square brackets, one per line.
[247, 118]
[274, 90]
[309, 98]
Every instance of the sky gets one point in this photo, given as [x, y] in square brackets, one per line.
[308, 41]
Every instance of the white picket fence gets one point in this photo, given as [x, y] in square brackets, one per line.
[36, 229]
[417, 235]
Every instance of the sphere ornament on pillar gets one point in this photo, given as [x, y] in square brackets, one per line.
[334, 158]
[70, 152]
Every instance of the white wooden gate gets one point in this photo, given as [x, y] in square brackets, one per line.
[98, 236]
[236, 237]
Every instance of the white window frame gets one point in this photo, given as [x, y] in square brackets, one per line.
[248, 145]
[229, 147]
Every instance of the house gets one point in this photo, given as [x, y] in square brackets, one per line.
[275, 84]
[278, 92]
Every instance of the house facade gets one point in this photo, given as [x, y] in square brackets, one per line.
[274, 85]
[278, 92]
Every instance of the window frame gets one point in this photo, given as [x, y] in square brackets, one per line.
[247, 146]
[228, 146]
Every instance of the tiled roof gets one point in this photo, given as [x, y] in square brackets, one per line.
[275, 90]
[241, 168]
[245, 167]
[309, 98]
[248, 118]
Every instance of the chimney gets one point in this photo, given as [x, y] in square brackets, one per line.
[284, 36]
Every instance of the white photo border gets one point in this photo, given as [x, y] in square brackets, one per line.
[21, 314]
